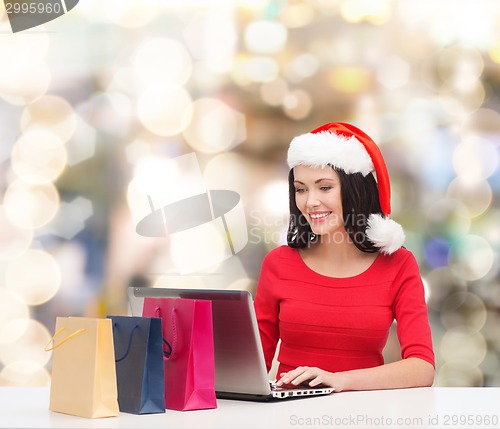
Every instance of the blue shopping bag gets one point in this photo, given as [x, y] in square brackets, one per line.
[138, 345]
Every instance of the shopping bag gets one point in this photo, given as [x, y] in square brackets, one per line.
[189, 367]
[83, 368]
[139, 364]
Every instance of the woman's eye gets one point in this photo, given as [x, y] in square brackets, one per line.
[326, 188]
[299, 190]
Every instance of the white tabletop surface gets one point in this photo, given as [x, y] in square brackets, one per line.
[407, 408]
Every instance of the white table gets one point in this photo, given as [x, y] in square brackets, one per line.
[403, 409]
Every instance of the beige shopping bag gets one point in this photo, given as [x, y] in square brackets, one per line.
[83, 368]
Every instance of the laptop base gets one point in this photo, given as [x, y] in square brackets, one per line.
[281, 395]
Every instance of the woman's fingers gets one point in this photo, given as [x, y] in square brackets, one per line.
[297, 376]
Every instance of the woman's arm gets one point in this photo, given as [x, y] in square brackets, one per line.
[411, 372]
[267, 306]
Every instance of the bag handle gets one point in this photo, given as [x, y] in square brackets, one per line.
[172, 348]
[165, 353]
[48, 349]
[129, 341]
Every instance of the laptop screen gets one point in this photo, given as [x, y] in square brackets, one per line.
[239, 359]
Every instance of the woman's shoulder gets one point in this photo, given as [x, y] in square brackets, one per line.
[401, 253]
[281, 252]
[279, 260]
[400, 258]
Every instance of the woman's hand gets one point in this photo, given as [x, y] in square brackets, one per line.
[310, 376]
[405, 373]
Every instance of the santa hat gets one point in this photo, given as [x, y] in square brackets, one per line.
[346, 147]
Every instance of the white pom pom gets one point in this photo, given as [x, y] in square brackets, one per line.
[385, 233]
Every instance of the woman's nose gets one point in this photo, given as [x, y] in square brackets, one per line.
[312, 200]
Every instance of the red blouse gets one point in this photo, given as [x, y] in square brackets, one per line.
[339, 324]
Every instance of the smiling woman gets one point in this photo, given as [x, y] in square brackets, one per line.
[333, 293]
[317, 196]
[365, 202]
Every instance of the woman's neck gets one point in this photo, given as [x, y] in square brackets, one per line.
[337, 258]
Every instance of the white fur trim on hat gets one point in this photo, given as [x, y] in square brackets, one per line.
[323, 148]
[385, 233]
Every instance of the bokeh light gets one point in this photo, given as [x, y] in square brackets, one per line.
[165, 109]
[26, 85]
[494, 52]
[303, 66]
[442, 283]
[274, 92]
[27, 76]
[260, 69]
[472, 258]
[109, 112]
[11, 309]
[199, 248]
[212, 37]
[179, 282]
[265, 37]
[161, 60]
[448, 217]
[476, 197]
[26, 344]
[24, 373]
[274, 198]
[459, 374]
[297, 104]
[129, 14]
[350, 79]
[298, 15]
[460, 68]
[37, 285]
[38, 157]
[31, 206]
[83, 145]
[269, 223]
[393, 73]
[228, 164]
[155, 181]
[459, 346]
[464, 311]
[215, 127]
[50, 113]
[375, 11]
[475, 159]
[14, 240]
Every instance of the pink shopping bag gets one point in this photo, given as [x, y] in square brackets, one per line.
[189, 364]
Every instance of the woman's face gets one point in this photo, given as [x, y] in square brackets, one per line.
[318, 197]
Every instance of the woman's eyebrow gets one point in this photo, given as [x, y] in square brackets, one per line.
[316, 181]
[325, 178]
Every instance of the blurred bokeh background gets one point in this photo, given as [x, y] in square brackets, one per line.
[96, 105]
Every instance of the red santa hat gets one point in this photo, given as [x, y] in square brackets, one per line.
[346, 147]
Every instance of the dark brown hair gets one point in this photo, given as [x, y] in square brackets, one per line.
[359, 199]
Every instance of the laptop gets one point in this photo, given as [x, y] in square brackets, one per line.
[240, 369]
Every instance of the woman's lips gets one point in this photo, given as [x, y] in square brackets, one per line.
[319, 217]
